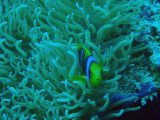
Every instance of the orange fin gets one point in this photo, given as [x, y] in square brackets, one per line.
[78, 78]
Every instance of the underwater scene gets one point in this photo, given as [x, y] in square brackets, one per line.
[79, 59]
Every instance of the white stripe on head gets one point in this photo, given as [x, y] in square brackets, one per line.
[90, 59]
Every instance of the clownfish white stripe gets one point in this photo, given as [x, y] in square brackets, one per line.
[90, 59]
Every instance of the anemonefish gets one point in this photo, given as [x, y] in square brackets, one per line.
[89, 66]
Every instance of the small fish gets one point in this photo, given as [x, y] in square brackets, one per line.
[89, 66]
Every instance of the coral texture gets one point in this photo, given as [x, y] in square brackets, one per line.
[37, 39]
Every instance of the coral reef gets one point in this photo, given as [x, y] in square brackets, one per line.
[37, 39]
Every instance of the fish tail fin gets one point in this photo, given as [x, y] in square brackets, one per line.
[78, 78]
